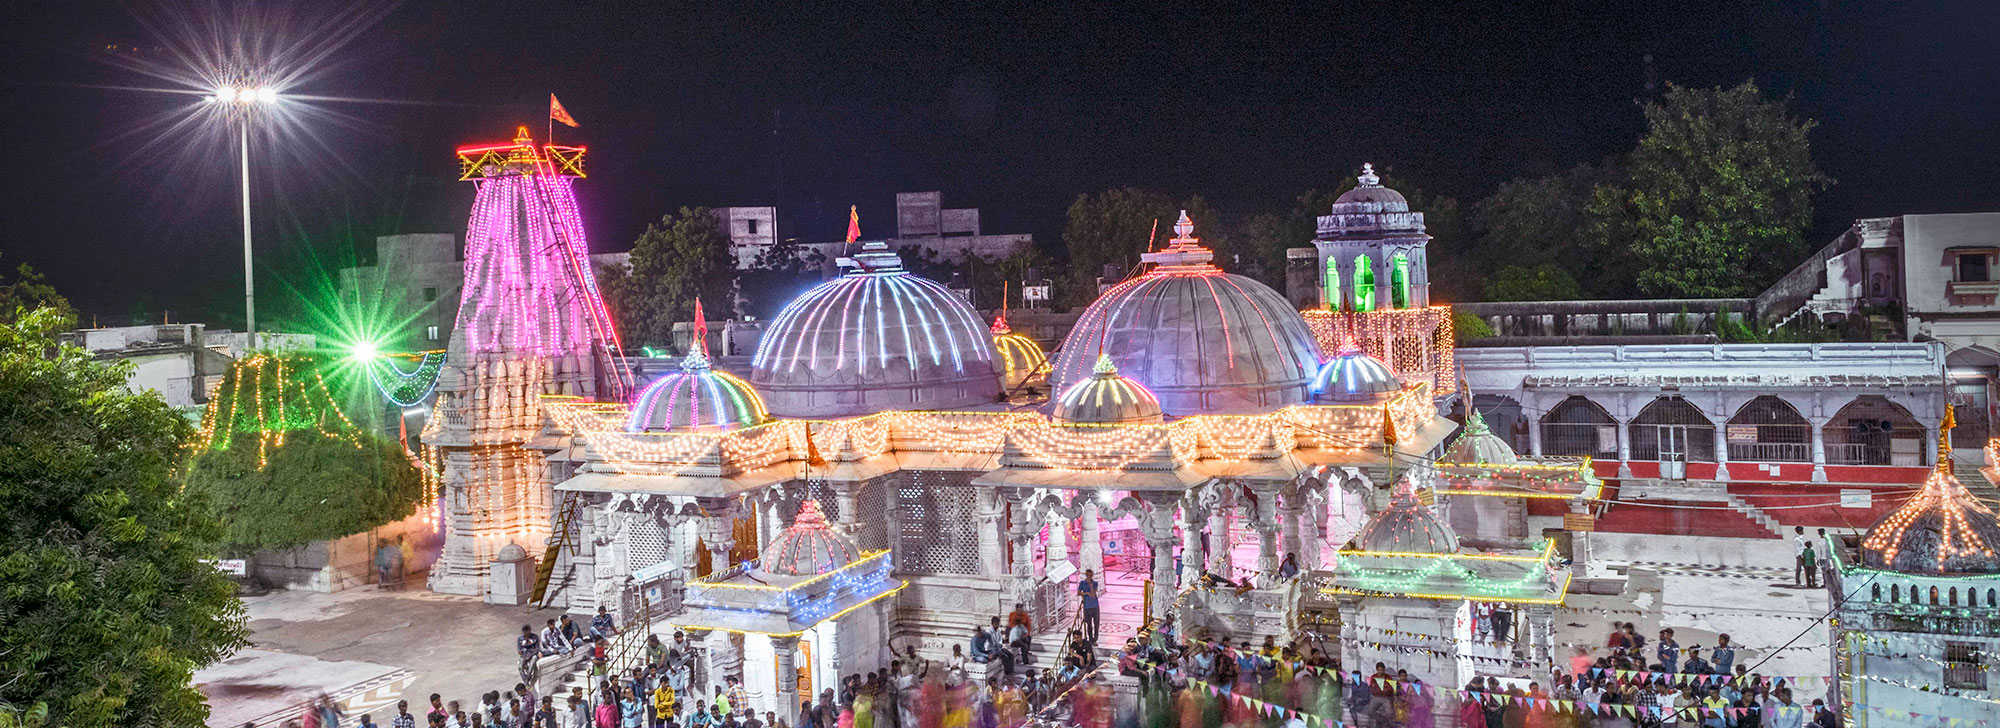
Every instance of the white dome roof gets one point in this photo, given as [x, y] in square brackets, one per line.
[1200, 339]
[696, 398]
[875, 339]
[1477, 444]
[1407, 527]
[1354, 377]
[1107, 399]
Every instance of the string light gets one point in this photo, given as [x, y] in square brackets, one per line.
[406, 389]
[298, 401]
[1416, 343]
[1961, 523]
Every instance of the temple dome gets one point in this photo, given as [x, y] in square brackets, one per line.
[1407, 526]
[1370, 196]
[874, 339]
[1354, 377]
[1942, 529]
[1201, 340]
[1021, 359]
[696, 398]
[809, 547]
[1107, 399]
[1477, 444]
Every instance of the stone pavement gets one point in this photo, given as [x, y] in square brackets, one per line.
[366, 648]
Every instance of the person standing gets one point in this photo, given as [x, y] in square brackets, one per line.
[1087, 592]
[1798, 555]
[1724, 655]
[1668, 651]
[403, 719]
[1810, 562]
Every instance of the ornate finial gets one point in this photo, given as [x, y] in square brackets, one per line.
[1368, 178]
[1182, 230]
[1944, 464]
[1104, 365]
[697, 357]
[1475, 424]
[522, 137]
[810, 517]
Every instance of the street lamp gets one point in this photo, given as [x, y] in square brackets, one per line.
[242, 100]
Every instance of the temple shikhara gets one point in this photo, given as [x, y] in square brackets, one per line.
[890, 468]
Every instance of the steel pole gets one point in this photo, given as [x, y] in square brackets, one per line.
[249, 276]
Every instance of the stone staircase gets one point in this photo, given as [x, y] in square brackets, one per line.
[1736, 503]
[1974, 480]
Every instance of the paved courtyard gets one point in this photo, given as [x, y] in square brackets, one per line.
[366, 648]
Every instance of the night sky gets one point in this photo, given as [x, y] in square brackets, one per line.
[1014, 111]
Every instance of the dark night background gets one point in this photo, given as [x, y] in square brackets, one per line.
[1013, 109]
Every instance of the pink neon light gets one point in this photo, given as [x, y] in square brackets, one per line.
[515, 277]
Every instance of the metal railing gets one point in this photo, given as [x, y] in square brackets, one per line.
[1770, 452]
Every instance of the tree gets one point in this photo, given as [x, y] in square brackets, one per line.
[27, 292]
[676, 260]
[1718, 195]
[281, 467]
[1544, 282]
[1111, 228]
[1530, 222]
[108, 601]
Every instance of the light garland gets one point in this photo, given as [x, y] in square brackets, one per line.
[406, 389]
[1416, 343]
[1946, 507]
[299, 402]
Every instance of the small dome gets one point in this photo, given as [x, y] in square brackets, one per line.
[1477, 444]
[1370, 196]
[875, 339]
[1201, 340]
[808, 547]
[1020, 357]
[1354, 377]
[1942, 529]
[1408, 527]
[1107, 399]
[511, 552]
[696, 398]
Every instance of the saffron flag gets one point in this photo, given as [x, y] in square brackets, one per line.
[1388, 427]
[853, 223]
[558, 113]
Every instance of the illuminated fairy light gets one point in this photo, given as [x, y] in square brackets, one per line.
[406, 389]
[877, 303]
[529, 285]
[1416, 343]
[297, 401]
[730, 401]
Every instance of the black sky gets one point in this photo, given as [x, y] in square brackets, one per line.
[1014, 109]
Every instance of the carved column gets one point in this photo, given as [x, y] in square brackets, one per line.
[1818, 448]
[1058, 548]
[1289, 513]
[1722, 449]
[786, 649]
[718, 531]
[1265, 520]
[1533, 418]
[701, 674]
[1090, 547]
[987, 503]
[847, 509]
[1157, 523]
[1021, 538]
[1312, 527]
[1541, 621]
[1191, 521]
[1624, 445]
[1218, 542]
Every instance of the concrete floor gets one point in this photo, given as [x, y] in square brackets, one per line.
[366, 648]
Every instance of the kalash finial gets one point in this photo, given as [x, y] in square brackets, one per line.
[1104, 367]
[697, 357]
[1368, 178]
[1944, 464]
[1184, 230]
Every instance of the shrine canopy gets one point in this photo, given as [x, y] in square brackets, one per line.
[815, 575]
[1479, 462]
[1407, 551]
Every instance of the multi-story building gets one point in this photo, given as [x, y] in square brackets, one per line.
[922, 222]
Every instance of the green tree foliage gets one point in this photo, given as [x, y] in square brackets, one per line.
[281, 467]
[1467, 327]
[1111, 228]
[1544, 282]
[26, 292]
[677, 259]
[1718, 194]
[1539, 221]
[313, 487]
[106, 603]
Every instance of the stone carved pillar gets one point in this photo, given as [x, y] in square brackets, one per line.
[786, 649]
[1818, 447]
[1290, 513]
[1090, 546]
[701, 673]
[1265, 520]
[1722, 450]
[1312, 527]
[1021, 539]
[987, 504]
[1191, 522]
[718, 531]
[1218, 542]
[1058, 548]
[1157, 523]
[847, 515]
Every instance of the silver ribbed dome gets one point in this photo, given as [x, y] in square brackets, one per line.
[1407, 526]
[875, 339]
[1477, 444]
[696, 398]
[1021, 359]
[1354, 377]
[808, 547]
[1200, 339]
[1107, 399]
[1942, 529]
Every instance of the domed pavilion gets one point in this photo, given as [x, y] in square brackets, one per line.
[697, 398]
[875, 339]
[1202, 340]
[1107, 399]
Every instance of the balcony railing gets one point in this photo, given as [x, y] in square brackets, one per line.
[1770, 452]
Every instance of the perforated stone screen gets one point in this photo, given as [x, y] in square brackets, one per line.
[649, 543]
[937, 523]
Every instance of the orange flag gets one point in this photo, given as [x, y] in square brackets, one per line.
[1388, 427]
[558, 113]
[853, 223]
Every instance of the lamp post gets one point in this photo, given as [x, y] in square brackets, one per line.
[242, 101]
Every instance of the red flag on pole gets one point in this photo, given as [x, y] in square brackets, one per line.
[558, 113]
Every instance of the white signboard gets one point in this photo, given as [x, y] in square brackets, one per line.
[654, 572]
[1035, 293]
[236, 567]
[1856, 498]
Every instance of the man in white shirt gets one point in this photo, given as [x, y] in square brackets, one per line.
[1798, 555]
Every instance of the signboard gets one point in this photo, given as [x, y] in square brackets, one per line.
[1857, 498]
[1035, 293]
[234, 567]
[1427, 496]
[1579, 522]
[654, 572]
[1741, 433]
